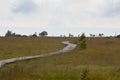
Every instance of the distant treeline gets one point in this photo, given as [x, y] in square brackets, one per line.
[118, 36]
[11, 34]
[45, 33]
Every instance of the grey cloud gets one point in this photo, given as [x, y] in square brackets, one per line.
[25, 6]
[112, 8]
[56, 23]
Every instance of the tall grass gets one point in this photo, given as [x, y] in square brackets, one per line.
[100, 61]
[17, 47]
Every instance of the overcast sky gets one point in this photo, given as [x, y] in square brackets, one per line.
[60, 16]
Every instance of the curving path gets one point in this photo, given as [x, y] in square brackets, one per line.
[68, 48]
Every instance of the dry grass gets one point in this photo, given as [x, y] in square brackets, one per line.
[101, 59]
[17, 47]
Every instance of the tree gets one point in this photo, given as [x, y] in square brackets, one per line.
[18, 35]
[100, 35]
[8, 34]
[82, 41]
[92, 35]
[118, 36]
[43, 34]
[13, 34]
[82, 37]
[35, 34]
[70, 35]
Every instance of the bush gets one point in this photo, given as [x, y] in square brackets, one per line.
[82, 41]
[84, 75]
[83, 44]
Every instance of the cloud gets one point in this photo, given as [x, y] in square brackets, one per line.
[60, 13]
[112, 8]
[24, 6]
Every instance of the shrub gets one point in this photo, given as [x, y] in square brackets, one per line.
[84, 75]
[82, 41]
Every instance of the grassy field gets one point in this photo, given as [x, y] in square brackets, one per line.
[100, 61]
[17, 47]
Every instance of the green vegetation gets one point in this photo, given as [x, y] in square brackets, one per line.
[11, 34]
[11, 47]
[118, 36]
[100, 61]
[85, 74]
[43, 34]
[82, 41]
